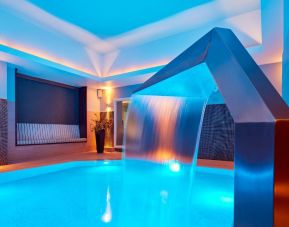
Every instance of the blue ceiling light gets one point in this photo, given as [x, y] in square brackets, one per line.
[113, 17]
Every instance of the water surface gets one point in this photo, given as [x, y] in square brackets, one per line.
[120, 193]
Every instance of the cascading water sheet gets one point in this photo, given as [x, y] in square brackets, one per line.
[163, 128]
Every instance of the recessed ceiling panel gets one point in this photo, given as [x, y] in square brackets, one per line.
[112, 17]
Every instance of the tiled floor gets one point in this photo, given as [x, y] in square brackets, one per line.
[63, 158]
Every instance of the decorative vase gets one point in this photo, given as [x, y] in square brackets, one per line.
[100, 137]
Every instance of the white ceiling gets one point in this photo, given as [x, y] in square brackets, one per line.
[44, 40]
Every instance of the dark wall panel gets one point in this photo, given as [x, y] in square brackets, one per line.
[46, 103]
[83, 112]
[217, 135]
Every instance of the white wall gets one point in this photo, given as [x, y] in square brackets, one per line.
[273, 72]
[110, 95]
[285, 76]
[3, 80]
[93, 103]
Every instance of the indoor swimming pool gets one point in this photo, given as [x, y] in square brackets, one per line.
[126, 193]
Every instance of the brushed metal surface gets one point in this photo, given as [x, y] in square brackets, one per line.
[261, 123]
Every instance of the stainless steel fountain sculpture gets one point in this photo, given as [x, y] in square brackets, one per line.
[261, 126]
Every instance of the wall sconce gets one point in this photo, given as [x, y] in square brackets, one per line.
[99, 93]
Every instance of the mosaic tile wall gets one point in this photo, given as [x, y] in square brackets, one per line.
[3, 131]
[217, 135]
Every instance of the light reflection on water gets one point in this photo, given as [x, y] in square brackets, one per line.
[135, 193]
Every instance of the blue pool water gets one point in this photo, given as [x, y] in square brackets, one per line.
[117, 193]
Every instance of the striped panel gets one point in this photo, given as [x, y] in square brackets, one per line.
[47, 133]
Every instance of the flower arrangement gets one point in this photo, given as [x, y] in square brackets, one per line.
[98, 125]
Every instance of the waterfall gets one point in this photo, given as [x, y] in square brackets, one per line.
[163, 128]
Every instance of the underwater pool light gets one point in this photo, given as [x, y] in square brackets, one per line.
[174, 166]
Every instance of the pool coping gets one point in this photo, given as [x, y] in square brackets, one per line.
[15, 175]
[84, 156]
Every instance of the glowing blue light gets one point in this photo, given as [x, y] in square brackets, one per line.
[174, 166]
[106, 162]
